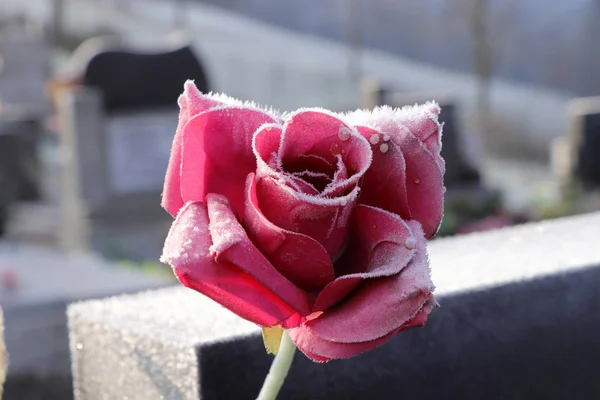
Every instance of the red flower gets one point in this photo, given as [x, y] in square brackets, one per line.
[313, 221]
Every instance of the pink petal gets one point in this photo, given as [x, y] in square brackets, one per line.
[425, 126]
[265, 144]
[424, 185]
[187, 251]
[377, 247]
[322, 134]
[324, 220]
[191, 103]
[405, 179]
[232, 245]
[415, 132]
[298, 257]
[379, 306]
[384, 184]
[321, 350]
[217, 153]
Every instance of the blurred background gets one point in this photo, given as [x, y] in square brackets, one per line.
[88, 89]
[88, 92]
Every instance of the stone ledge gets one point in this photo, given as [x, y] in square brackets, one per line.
[519, 317]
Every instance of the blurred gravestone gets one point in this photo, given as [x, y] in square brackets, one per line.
[119, 125]
[584, 141]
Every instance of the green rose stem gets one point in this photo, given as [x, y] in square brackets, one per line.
[279, 369]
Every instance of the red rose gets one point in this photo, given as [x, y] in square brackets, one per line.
[313, 221]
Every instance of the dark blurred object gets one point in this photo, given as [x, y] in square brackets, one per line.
[132, 81]
[20, 169]
[459, 171]
[583, 145]
[38, 387]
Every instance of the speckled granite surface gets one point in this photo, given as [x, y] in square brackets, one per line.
[519, 316]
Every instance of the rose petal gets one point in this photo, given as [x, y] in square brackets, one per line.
[187, 251]
[298, 257]
[321, 350]
[232, 245]
[378, 306]
[384, 184]
[325, 220]
[380, 244]
[217, 153]
[406, 180]
[424, 185]
[390, 135]
[323, 134]
[426, 127]
[191, 102]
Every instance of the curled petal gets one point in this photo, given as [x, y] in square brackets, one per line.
[298, 257]
[321, 350]
[322, 134]
[416, 187]
[191, 103]
[187, 251]
[380, 244]
[424, 185]
[378, 306]
[217, 153]
[324, 220]
[384, 184]
[230, 244]
[426, 127]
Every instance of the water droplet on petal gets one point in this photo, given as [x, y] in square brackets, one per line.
[417, 181]
[344, 133]
[353, 166]
[335, 148]
[386, 138]
[384, 147]
[444, 189]
[374, 139]
[410, 243]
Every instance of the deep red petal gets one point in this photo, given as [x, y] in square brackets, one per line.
[322, 134]
[321, 350]
[384, 184]
[325, 220]
[298, 257]
[425, 126]
[231, 244]
[187, 251]
[379, 305]
[191, 103]
[424, 185]
[380, 244]
[405, 179]
[217, 153]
